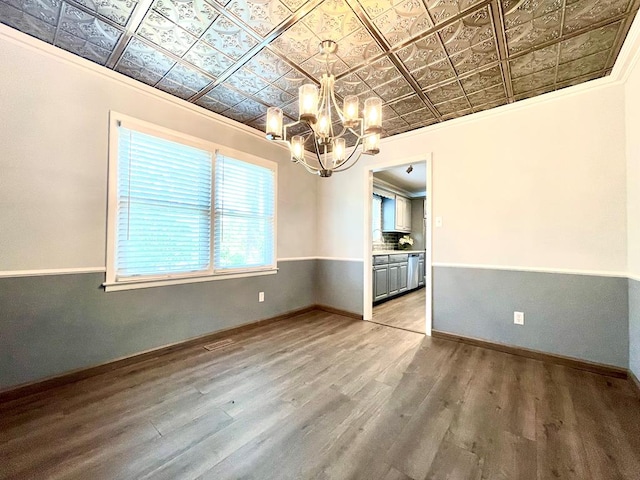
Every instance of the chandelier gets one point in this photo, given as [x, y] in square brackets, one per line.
[328, 124]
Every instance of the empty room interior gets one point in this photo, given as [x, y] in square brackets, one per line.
[307, 239]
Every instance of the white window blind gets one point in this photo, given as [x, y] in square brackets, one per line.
[244, 215]
[164, 207]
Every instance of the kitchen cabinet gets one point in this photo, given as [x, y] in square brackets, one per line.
[396, 214]
[380, 282]
[390, 275]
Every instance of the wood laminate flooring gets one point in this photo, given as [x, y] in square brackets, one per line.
[406, 311]
[320, 396]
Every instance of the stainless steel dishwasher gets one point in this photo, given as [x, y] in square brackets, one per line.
[412, 271]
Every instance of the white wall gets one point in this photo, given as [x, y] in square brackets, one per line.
[53, 142]
[540, 184]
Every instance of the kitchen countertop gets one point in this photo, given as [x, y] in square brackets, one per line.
[393, 252]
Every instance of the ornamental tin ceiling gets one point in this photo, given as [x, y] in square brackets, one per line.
[429, 60]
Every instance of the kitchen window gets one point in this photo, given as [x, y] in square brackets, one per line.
[183, 210]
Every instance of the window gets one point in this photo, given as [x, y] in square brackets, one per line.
[182, 209]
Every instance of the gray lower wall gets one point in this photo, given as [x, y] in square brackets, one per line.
[339, 284]
[581, 316]
[634, 327]
[53, 324]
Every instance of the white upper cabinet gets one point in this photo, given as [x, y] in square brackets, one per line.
[396, 214]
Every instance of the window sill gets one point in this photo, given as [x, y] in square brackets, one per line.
[137, 284]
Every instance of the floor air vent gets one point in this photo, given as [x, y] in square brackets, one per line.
[219, 345]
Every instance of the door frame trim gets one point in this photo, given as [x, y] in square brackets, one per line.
[368, 241]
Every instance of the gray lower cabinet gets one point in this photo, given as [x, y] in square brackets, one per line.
[403, 276]
[390, 275]
[380, 282]
[394, 279]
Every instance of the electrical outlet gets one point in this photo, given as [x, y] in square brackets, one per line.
[518, 318]
[261, 297]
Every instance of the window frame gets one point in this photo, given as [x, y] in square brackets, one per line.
[112, 283]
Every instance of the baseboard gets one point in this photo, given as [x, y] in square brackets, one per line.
[337, 311]
[39, 386]
[635, 383]
[593, 367]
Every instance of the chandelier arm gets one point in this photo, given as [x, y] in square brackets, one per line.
[315, 144]
[338, 170]
[355, 147]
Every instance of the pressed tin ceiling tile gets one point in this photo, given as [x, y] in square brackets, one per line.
[418, 116]
[375, 8]
[262, 16]
[291, 82]
[174, 88]
[421, 53]
[298, 43]
[535, 93]
[451, 106]
[442, 10]
[188, 77]
[534, 81]
[117, 10]
[228, 37]
[273, 95]
[533, 33]
[351, 85]
[457, 114]
[535, 61]
[138, 53]
[406, 105]
[82, 48]
[212, 104]
[195, 16]
[358, 48]
[379, 72]
[137, 72]
[490, 95]
[395, 123]
[88, 28]
[433, 74]
[474, 58]
[490, 105]
[582, 66]
[403, 21]
[246, 110]
[518, 12]
[247, 82]
[268, 65]
[316, 66]
[583, 13]
[396, 88]
[166, 34]
[474, 29]
[45, 10]
[208, 59]
[444, 93]
[33, 26]
[332, 20]
[589, 43]
[482, 80]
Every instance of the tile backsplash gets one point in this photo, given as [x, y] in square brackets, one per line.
[389, 241]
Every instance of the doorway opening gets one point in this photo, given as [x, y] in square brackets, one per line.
[398, 265]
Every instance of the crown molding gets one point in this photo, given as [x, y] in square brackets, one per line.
[629, 55]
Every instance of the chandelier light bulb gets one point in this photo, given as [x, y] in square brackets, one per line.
[323, 126]
[297, 147]
[373, 115]
[371, 144]
[308, 102]
[339, 151]
[274, 123]
[350, 111]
